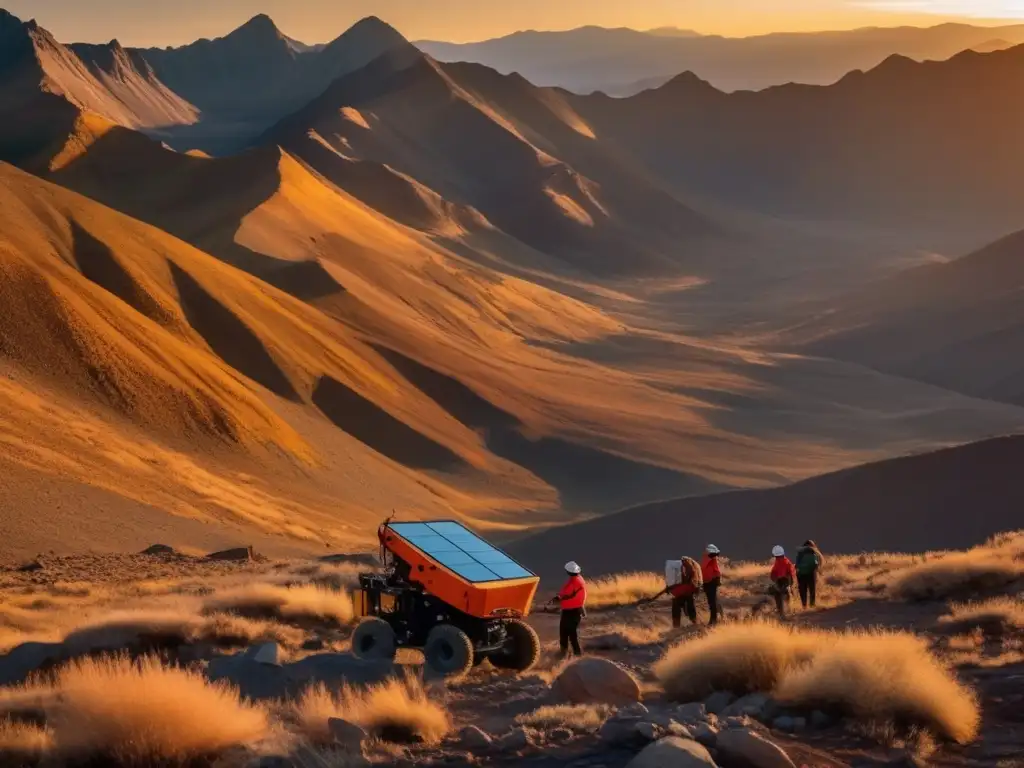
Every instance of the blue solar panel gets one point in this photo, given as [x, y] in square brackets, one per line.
[460, 550]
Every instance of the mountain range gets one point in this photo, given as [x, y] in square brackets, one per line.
[258, 288]
[622, 62]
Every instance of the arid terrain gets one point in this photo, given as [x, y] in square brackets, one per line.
[259, 294]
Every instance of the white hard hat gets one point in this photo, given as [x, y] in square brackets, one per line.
[778, 551]
[572, 567]
[713, 550]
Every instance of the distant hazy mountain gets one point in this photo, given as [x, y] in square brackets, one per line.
[892, 144]
[624, 61]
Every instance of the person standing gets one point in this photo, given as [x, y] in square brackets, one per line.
[711, 572]
[684, 593]
[783, 574]
[808, 562]
[572, 599]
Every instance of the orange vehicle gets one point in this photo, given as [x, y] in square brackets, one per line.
[444, 589]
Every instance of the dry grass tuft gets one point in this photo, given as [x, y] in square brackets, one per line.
[144, 712]
[871, 676]
[957, 575]
[395, 710]
[741, 658]
[623, 589]
[577, 717]
[624, 636]
[297, 603]
[996, 617]
[23, 743]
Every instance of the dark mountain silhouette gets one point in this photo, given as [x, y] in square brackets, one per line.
[890, 144]
[623, 61]
[949, 498]
[959, 325]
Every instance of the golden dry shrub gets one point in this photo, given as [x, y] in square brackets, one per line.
[623, 589]
[23, 743]
[883, 676]
[995, 617]
[302, 603]
[396, 709]
[577, 717]
[959, 575]
[143, 712]
[734, 657]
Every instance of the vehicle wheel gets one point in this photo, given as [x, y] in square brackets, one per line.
[521, 649]
[374, 640]
[448, 651]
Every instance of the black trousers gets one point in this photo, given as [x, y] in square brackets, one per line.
[569, 630]
[679, 606]
[711, 592]
[808, 586]
[781, 592]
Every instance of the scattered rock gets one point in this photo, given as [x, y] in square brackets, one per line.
[561, 734]
[617, 731]
[751, 705]
[673, 752]
[633, 710]
[266, 653]
[595, 680]
[238, 553]
[347, 735]
[646, 731]
[706, 734]
[694, 712]
[22, 660]
[158, 549]
[718, 702]
[678, 729]
[260, 681]
[821, 720]
[744, 746]
[35, 565]
[515, 741]
[473, 739]
[784, 723]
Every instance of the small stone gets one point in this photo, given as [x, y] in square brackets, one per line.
[561, 734]
[29, 567]
[515, 741]
[784, 723]
[158, 549]
[718, 702]
[632, 710]
[474, 739]
[693, 712]
[593, 680]
[740, 745]
[706, 734]
[751, 705]
[646, 731]
[673, 752]
[237, 554]
[679, 730]
[347, 735]
[265, 653]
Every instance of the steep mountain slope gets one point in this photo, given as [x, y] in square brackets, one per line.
[255, 75]
[622, 61]
[931, 501]
[889, 144]
[482, 143]
[958, 324]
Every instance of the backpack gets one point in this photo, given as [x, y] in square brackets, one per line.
[807, 561]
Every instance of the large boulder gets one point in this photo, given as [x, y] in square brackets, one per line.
[718, 702]
[744, 747]
[157, 549]
[21, 661]
[596, 681]
[752, 705]
[473, 739]
[673, 752]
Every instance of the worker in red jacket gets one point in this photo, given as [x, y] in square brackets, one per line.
[572, 599]
[783, 575]
[712, 573]
[684, 592]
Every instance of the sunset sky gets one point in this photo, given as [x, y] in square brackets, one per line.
[172, 22]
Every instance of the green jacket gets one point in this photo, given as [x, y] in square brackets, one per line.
[808, 560]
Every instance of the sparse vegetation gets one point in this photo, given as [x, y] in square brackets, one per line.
[957, 575]
[297, 603]
[623, 589]
[871, 676]
[395, 710]
[577, 717]
[995, 617]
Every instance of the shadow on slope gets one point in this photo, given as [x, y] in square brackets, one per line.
[373, 426]
[228, 336]
[585, 477]
[931, 501]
